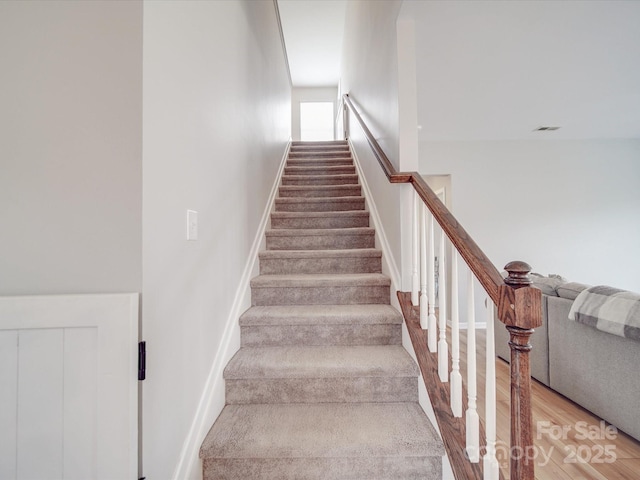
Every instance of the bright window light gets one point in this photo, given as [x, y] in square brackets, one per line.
[316, 121]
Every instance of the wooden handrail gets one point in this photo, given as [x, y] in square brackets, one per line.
[486, 273]
[387, 167]
[519, 305]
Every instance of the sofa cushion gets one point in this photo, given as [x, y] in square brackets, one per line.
[570, 290]
[547, 285]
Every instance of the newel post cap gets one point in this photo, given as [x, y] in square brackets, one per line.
[519, 306]
[518, 274]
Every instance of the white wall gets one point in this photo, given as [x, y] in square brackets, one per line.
[70, 146]
[370, 67]
[569, 207]
[369, 76]
[309, 94]
[216, 124]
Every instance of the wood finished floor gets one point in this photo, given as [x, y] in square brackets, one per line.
[560, 457]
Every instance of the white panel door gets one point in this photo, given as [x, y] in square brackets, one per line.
[68, 396]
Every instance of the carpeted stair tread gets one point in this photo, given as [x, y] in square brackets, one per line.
[336, 219]
[321, 374]
[321, 361]
[322, 314]
[353, 260]
[320, 148]
[320, 289]
[317, 239]
[319, 161]
[343, 468]
[320, 191]
[278, 325]
[319, 280]
[327, 430]
[304, 153]
[311, 160]
[313, 232]
[336, 145]
[319, 154]
[319, 232]
[331, 148]
[338, 179]
[320, 170]
[305, 254]
[327, 204]
[318, 143]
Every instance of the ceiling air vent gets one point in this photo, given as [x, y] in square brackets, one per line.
[546, 128]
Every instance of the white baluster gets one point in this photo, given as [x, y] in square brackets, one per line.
[443, 348]
[490, 462]
[432, 333]
[415, 278]
[424, 312]
[456, 377]
[473, 421]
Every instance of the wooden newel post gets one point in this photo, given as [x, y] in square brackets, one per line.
[520, 309]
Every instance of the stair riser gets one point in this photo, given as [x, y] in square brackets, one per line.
[331, 295]
[319, 162]
[333, 145]
[316, 191]
[298, 154]
[318, 143]
[320, 222]
[320, 180]
[320, 242]
[328, 170]
[284, 335]
[330, 148]
[328, 205]
[319, 154]
[321, 390]
[276, 266]
[335, 468]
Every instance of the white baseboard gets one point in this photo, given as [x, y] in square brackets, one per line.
[189, 465]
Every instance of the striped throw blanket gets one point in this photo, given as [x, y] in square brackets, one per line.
[608, 309]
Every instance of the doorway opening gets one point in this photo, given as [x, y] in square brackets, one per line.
[316, 121]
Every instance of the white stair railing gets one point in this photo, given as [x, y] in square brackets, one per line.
[432, 334]
[424, 300]
[415, 277]
[473, 421]
[436, 326]
[443, 348]
[491, 468]
[518, 306]
[456, 376]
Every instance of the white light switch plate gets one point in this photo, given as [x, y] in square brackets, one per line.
[192, 225]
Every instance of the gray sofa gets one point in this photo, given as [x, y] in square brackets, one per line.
[596, 370]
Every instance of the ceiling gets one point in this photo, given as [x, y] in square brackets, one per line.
[492, 70]
[496, 70]
[313, 32]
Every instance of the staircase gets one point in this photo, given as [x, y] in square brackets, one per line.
[321, 387]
